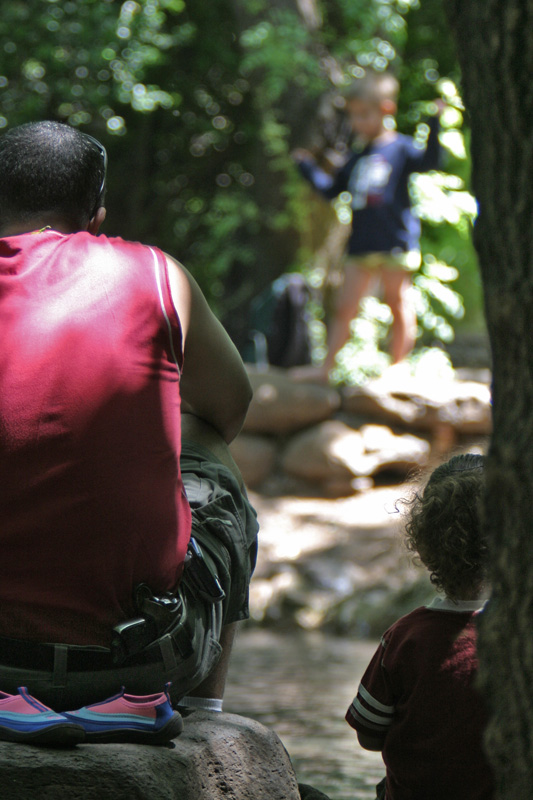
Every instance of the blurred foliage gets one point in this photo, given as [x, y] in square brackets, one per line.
[199, 105]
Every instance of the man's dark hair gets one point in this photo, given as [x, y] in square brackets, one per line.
[49, 167]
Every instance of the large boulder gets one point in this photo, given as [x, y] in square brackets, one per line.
[423, 404]
[216, 756]
[324, 452]
[281, 406]
[468, 409]
[387, 451]
[335, 456]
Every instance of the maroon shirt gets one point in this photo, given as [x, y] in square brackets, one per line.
[91, 499]
[418, 695]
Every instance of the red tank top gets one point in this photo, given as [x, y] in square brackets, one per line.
[91, 498]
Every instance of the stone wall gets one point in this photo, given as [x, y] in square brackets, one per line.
[306, 438]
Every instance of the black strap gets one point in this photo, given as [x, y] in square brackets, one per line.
[59, 679]
[52, 658]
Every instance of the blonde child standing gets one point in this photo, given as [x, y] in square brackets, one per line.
[384, 241]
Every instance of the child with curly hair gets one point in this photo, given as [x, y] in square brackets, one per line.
[417, 701]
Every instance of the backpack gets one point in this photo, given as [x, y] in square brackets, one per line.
[279, 324]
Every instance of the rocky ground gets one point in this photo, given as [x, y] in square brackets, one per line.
[336, 565]
[326, 469]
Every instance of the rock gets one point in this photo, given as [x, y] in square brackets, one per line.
[273, 596]
[310, 793]
[468, 410]
[369, 401]
[344, 487]
[255, 456]
[217, 756]
[384, 450]
[326, 452]
[423, 405]
[281, 406]
[333, 455]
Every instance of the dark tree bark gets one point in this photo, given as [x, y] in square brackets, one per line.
[495, 48]
[275, 249]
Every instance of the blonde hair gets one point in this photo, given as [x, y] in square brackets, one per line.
[373, 87]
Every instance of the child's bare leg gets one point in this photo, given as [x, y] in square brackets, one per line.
[356, 284]
[396, 287]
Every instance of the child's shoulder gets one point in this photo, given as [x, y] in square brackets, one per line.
[440, 613]
[407, 626]
[411, 636]
[414, 618]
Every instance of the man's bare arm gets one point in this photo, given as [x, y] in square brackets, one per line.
[214, 384]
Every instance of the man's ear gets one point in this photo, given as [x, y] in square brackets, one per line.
[95, 223]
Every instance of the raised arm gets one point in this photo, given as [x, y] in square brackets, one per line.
[328, 185]
[214, 384]
[424, 159]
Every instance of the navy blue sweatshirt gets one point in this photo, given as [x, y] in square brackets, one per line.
[377, 177]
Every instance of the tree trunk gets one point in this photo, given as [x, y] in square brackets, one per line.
[275, 248]
[496, 54]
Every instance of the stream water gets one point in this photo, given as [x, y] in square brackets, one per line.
[300, 685]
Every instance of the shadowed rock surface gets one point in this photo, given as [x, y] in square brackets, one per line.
[310, 439]
[217, 756]
[332, 455]
[281, 406]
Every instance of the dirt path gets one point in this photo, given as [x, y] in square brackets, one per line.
[335, 564]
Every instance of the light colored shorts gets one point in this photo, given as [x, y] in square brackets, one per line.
[399, 261]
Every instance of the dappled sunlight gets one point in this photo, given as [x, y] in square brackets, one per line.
[291, 526]
[320, 559]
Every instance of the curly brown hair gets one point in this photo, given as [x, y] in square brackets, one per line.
[444, 527]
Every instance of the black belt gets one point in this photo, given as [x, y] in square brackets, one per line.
[37, 656]
[63, 658]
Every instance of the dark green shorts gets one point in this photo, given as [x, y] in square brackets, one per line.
[225, 526]
[223, 522]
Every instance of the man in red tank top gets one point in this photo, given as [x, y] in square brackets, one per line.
[119, 393]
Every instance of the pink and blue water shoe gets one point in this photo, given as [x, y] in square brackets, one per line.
[129, 718]
[25, 719]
